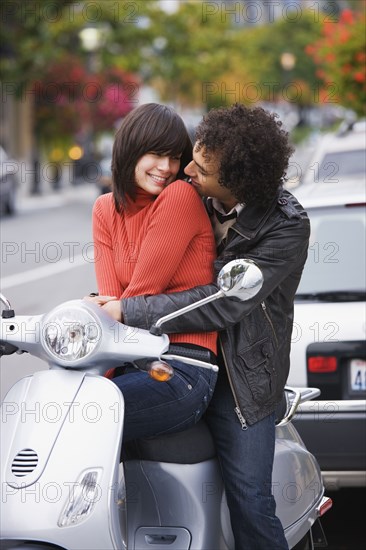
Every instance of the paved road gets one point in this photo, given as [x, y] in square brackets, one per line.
[47, 258]
[344, 524]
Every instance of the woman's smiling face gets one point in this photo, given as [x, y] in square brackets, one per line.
[154, 172]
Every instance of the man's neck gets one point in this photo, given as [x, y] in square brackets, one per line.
[227, 206]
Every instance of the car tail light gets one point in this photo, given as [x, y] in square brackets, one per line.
[320, 363]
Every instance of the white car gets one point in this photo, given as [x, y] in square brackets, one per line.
[339, 156]
[328, 340]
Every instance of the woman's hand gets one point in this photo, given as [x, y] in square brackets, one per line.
[110, 303]
[99, 300]
[113, 307]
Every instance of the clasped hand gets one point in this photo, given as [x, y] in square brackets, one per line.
[110, 303]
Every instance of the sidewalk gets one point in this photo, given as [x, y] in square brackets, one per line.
[51, 198]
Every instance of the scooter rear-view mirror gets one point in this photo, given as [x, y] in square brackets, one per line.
[240, 279]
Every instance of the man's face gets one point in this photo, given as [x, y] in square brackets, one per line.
[204, 173]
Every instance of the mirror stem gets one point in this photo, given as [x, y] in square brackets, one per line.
[156, 328]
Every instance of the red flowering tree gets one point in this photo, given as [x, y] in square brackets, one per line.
[70, 101]
[341, 59]
[116, 94]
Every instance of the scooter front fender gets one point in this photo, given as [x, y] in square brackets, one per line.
[69, 423]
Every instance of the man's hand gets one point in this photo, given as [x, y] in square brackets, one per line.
[113, 307]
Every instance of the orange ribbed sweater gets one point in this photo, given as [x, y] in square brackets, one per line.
[157, 245]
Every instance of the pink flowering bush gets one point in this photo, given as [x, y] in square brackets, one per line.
[340, 55]
[70, 101]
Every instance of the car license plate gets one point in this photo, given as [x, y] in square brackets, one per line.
[358, 375]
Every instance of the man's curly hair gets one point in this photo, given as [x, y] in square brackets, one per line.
[252, 148]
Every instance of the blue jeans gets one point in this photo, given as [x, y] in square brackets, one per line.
[246, 458]
[156, 408]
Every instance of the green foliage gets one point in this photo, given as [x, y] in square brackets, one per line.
[188, 54]
[255, 71]
[26, 39]
[197, 56]
[39, 33]
[206, 60]
[36, 61]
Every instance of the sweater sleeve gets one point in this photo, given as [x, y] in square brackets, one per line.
[178, 216]
[107, 280]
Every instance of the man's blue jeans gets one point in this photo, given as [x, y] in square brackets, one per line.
[246, 458]
[156, 408]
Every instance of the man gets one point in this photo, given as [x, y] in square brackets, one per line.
[239, 162]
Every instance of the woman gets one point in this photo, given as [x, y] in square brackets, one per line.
[152, 235]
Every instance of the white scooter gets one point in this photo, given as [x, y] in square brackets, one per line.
[63, 483]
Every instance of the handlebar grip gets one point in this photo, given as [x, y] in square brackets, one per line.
[7, 349]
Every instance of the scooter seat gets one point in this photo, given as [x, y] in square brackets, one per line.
[187, 447]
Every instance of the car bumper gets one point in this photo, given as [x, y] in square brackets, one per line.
[335, 432]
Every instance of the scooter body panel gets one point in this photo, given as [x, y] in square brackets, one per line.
[87, 438]
[61, 431]
[162, 496]
[296, 484]
[74, 422]
[174, 500]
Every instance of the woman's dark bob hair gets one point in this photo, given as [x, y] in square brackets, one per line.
[150, 128]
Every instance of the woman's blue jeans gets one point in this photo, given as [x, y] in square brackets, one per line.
[246, 458]
[156, 408]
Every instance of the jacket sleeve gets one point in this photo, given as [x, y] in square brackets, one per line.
[280, 254]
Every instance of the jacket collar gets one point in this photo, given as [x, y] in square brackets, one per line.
[213, 204]
[252, 217]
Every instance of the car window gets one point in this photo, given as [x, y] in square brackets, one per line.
[337, 165]
[336, 256]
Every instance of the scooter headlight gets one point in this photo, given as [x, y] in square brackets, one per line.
[71, 333]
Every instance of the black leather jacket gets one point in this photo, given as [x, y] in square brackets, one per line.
[255, 335]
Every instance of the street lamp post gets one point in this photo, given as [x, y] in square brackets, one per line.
[288, 63]
[92, 38]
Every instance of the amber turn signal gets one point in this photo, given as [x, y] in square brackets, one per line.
[161, 371]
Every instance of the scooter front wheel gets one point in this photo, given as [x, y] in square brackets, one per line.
[315, 535]
[306, 543]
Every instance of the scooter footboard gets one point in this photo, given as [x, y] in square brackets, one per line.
[169, 504]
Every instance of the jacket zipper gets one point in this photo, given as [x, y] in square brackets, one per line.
[264, 308]
[237, 410]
